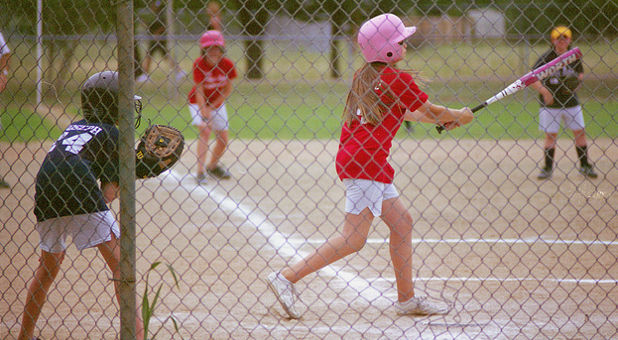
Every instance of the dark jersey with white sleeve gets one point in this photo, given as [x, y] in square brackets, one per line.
[67, 183]
[555, 83]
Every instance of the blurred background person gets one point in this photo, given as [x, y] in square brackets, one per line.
[158, 43]
[5, 55]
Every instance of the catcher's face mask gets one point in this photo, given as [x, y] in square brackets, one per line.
[137, 102]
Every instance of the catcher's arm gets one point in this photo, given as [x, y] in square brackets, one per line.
[110, 191]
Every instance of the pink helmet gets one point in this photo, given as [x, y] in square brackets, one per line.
[379, 38]
[212, 38]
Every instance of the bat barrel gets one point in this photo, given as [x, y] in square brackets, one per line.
[531, 77]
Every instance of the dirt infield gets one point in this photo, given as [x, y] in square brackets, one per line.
[517, 257]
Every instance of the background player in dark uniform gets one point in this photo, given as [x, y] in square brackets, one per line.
[157, 29]
[559, 102]
[69, 200]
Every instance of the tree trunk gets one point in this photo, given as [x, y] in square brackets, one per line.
[335, 71]
[254, 17]
[338, 20]
[65, 66]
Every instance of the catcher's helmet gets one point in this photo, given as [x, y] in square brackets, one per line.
[379, 38]
[99, 95]
[212, 38]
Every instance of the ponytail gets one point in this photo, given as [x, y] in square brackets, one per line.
[362, 97]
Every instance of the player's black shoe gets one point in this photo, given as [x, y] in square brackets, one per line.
[219, 172]
[545, 173]
[588, 171]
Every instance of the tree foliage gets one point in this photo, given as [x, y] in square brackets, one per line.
[585, 17]
[64, 16]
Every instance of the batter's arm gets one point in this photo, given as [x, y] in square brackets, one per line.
[433, 114]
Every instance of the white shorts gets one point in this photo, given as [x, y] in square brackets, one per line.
[219, 117]
[550, 119]
[364, 193]
[86, 230]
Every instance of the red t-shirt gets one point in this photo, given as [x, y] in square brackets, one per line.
[214, 77]
[364, 148]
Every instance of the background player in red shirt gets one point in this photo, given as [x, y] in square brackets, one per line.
[381, 98]
[213, 74]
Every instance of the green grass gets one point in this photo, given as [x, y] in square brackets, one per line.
[313, 111]
[25, 126]
[297, 100]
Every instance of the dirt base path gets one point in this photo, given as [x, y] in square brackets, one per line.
[516, 256]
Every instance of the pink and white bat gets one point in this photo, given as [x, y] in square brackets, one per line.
[539, 73]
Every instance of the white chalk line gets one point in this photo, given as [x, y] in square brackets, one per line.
[503, 280]
[282, 245]
[277, 240]
[529, 241]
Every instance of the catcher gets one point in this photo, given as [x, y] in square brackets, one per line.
[558, 101]
[69, 199]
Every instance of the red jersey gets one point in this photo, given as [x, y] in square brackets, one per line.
[364, 148]
[214, 78]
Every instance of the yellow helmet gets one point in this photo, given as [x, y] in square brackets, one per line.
[561, 30]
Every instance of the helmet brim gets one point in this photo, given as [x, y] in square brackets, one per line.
[407, 32]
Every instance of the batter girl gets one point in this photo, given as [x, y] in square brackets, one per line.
[381, 98]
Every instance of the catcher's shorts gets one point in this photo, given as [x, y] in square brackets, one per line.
[86, 230]
[219, 117]
[550, 118]
[364, 193]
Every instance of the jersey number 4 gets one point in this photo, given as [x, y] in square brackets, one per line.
[74, 144]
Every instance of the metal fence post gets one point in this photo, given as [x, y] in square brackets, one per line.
[126, 155]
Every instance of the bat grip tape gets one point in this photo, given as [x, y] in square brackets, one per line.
[441, 128]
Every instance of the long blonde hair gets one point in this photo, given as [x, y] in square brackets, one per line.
[362, 96]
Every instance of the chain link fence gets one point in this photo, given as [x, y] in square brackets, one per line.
[512, 256]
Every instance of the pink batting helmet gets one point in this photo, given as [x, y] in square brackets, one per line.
[212, 38]
[379, 38]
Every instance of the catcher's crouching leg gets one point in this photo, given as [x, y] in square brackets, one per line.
[159, 149]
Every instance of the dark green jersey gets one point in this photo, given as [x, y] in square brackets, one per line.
[556, 82]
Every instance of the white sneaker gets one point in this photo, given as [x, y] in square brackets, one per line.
[420, 306]
[201, 179]
[181, 74]
[285, 292]
[142, 78]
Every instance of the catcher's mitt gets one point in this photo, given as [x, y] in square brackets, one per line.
[158, 150]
